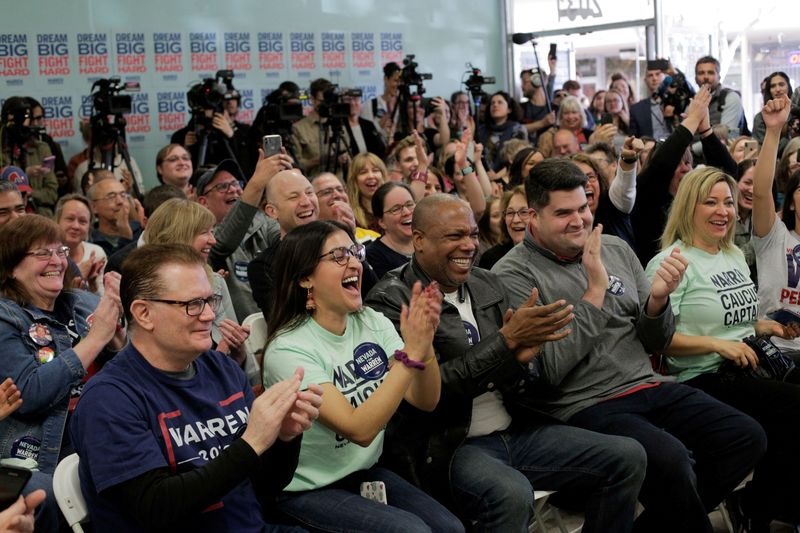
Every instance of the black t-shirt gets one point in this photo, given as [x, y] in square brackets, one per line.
[383, 259]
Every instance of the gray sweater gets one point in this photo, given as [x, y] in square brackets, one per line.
[606, 354]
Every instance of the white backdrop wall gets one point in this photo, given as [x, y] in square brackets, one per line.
[54, 51]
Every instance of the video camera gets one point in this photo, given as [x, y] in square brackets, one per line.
[332, 105]
[676, 92]
[477, 80]
[411, 78]
[107, 100]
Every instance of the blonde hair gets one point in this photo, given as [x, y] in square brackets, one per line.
[178, 220]
[353, 193]
[694, 188]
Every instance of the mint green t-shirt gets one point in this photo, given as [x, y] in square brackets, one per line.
[716, 297]
[356, 363]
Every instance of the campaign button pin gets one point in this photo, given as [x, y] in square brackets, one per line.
[615, 286]
[26, 448]
[371, 361]
[45, 355]
[473, 337]
[240, 271]
[40, 334]
[90, 320]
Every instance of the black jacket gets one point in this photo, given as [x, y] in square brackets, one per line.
[419, 445]
[372, 139]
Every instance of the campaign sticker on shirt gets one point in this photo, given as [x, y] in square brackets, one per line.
[26, 448]
[45, 354]
[240, 271]
[40, 334]
[796, 253]
[371, 361]
[473, 337]
[90, 320]
[615, 286]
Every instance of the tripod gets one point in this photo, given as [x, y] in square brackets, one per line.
[331, 143]
[109, 138]
[204, 130]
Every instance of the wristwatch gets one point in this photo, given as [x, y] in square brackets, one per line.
[629, 160]
[466, 171]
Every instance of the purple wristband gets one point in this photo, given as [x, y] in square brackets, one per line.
[402, 356]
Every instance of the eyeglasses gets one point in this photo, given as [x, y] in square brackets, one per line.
[523, 214]
[396, 209]
[592, 176]
[559, 95]
[194, 307]
[44, 254]
[324, 193]
[112, 196]
[176, 158]
[342, 254]
[225, 187]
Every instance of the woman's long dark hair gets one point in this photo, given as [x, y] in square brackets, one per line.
[515, 176]
[767, 94]
[296, 259]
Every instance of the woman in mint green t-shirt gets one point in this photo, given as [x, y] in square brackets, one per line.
[365, 370]
[715, 307]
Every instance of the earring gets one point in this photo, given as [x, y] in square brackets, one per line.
[310, 303]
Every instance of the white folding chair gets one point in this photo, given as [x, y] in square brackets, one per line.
[67, 488]
[258, 332]
[544, 511]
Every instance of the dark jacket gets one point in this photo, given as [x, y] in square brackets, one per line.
[641, 119]
[372, 138]
[419, 445]
[653, 199]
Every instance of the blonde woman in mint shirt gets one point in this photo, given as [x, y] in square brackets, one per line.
[715, 307]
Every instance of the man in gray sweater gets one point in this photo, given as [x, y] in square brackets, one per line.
[698, 449]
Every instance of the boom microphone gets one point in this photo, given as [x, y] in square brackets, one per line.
[522, 38]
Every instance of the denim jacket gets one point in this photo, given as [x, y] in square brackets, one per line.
[35, 430]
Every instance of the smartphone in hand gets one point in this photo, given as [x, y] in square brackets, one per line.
[49, 162]
[12, 480]
[271, 144]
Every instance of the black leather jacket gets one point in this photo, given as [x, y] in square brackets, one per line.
[420, 445]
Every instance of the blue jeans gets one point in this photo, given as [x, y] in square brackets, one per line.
[493, 477]
[698, 450]
[340, 507]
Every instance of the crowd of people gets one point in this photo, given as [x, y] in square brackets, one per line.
[597, 297]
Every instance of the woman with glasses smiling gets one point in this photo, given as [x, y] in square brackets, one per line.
[365, 370]
[515, 213]
[51, 338]
[393, 206]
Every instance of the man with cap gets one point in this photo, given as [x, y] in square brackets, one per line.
[535, 115]
[169, 434]
[485, 447]
[14, 192]
[242, 230]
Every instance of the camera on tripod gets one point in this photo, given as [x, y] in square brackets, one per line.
[208, 95]
[107, 99]
[477, 80]
[332, 105]
[411, 78]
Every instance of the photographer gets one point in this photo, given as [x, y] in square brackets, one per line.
[211, 135]
[19, 147]
[314, 135]
[648, 116]
[281, 109]
[382, 110]
[537, 115]
[37, 125]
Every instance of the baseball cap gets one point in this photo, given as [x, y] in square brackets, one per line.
[16, 176]
[226, 165]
